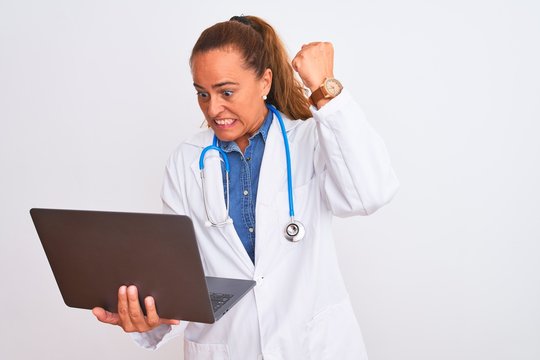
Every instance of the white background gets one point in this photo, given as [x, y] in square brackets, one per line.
[94, 95]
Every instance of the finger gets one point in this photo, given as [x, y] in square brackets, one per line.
[123, 309]
[294, 64]
[169, 322]
[297, 61]
[136, 315]
[152, 318]
[105, 316]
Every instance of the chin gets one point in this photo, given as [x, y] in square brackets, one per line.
[224, 136]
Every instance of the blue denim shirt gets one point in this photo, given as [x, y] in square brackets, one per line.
[244, 181]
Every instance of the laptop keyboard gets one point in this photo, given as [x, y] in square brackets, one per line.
[218, 300]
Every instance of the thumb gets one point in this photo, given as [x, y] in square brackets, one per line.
[105, 316]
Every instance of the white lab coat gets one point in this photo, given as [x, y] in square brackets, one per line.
[299, 308]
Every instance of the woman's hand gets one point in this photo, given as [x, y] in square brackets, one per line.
[314, 63]
[130, 316]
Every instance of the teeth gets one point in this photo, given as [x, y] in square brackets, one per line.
[224, 121]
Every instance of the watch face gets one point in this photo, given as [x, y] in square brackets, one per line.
[333, 87]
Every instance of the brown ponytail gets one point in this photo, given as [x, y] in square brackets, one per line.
[261, 48]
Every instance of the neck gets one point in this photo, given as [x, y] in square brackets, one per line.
[243, 141]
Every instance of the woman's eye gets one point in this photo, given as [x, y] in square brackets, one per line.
[228, 93]
[202, 95]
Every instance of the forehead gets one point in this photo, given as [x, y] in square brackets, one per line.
[216, 65]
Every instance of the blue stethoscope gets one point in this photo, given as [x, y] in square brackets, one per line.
[294, 230]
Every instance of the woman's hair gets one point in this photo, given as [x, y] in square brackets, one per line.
[261, 49]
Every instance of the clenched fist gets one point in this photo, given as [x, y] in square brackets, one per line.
[314, 63]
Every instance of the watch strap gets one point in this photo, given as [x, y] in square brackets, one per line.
[317, 95]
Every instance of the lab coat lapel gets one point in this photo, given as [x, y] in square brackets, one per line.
[270, 244]
[216, 204]
[273, 173]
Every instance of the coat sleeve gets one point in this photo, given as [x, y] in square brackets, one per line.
[155, 338]
[172, 191]
[357, 178]
[172, 195]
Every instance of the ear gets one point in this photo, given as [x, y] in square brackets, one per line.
[266, 81]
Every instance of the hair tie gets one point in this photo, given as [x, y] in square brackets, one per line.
[242, 19]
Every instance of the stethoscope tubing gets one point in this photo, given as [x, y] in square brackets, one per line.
[218, 149]
[288, 158]
[294, 230]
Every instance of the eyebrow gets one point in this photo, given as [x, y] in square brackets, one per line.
[218, 85]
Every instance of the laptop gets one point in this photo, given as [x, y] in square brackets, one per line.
[93, 253]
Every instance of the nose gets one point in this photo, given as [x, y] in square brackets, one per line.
[214, 106]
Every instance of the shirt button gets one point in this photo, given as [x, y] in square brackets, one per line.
[246, 192]
[250, 229]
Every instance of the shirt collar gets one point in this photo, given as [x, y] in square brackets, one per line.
[229, 146]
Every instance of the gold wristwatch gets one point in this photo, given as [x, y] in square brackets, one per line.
[329, 89]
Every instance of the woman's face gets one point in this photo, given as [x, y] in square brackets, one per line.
[230, 95]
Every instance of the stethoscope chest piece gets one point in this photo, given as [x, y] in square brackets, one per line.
[295, 231]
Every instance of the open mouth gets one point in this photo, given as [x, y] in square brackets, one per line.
[224, 122]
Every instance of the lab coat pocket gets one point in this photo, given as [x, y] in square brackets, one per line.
[303, 194]
[198, 351]
[334, 334]
[306, 199]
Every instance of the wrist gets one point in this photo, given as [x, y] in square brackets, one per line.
[329, 89]
[321, 103]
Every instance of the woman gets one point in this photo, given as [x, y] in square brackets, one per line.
[299, 308]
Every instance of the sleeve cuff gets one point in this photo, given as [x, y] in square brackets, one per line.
[332, 106]
[151, 339]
